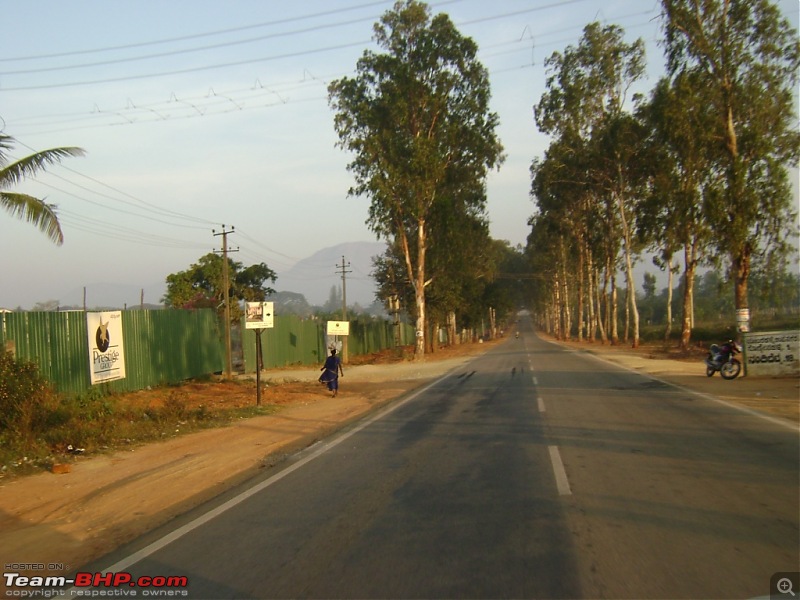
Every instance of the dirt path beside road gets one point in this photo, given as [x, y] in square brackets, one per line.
[106, 500]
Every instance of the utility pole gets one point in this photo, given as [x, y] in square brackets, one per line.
[226, 299]
[343, 271]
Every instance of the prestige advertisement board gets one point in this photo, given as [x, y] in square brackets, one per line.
[106, 347]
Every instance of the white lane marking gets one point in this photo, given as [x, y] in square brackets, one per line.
[540, 402]
[562, 483]
[535, 381]
[154, 547]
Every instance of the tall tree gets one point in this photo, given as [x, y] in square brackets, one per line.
[682, 175]
[33, 210]
[201, 285]
[587, 89]
[749, 58]
[417, 119]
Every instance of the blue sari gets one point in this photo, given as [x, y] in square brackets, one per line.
[330, 373]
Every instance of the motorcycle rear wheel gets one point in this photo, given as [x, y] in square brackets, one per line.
[731, 369]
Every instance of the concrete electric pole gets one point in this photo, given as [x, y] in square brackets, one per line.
[342, 269]
[226, 298]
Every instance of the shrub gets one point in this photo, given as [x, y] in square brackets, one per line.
[26, 398]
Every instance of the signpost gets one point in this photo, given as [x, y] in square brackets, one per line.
[259, 316]
[337, 328]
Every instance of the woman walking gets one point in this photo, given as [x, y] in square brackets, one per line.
[330, 372]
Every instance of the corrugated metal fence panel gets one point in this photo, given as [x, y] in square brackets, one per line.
[296, 341]
[168, 346]
[160, 346]
[56, 341]
[292, 341]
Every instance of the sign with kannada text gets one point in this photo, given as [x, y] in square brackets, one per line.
[772, 353]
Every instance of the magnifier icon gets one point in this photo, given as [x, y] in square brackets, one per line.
[784, 586]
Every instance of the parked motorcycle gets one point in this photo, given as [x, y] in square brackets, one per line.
[721, 358]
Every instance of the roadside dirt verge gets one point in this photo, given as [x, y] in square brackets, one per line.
[108, 499]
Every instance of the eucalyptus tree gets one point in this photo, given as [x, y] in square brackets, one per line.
[416, 117]
[562, 198]
[587, 90]
[620, 169]
[682, 177]
[542, 253]
[33, 210]
[460, 265]
[747, 56]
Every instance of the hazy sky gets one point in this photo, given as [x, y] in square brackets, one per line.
[198, 113]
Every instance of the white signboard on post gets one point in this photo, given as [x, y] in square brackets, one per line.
[106, 348]
[338, 328]
[259, 315]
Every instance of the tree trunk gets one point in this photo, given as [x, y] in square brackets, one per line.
[613, 310]
[741, 273]
[434, 337]
[690, 266]
[451, 328]
[602, 319]
[670, 276]
[626, 236]
[626, 335]
[565, 296]
[557, 307]
[417, 277]
[592, 324]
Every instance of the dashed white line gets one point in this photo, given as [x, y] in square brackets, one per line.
[562, 483]
[540, 403]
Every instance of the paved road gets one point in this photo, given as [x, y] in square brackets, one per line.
[532, 472]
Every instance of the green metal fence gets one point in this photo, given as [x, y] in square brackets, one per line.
[296, 341]
[161, 346]
[169, 346]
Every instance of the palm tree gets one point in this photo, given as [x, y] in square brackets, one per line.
[35, 211]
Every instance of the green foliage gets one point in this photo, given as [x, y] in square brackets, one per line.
[416, 118]
[25, 398]
[707, 179]
[746, 58]
[25, 207]
[202, 285]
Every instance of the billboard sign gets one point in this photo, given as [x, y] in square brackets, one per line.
[106, 348]
[259, 315]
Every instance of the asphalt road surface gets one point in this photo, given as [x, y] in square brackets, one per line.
[532, 472]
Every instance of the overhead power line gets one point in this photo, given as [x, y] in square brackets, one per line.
[193, 69]
[195, 36]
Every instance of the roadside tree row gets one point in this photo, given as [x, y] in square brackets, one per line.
[698, 169]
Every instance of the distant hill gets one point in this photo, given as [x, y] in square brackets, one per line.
[307, 284]
[315, 276]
